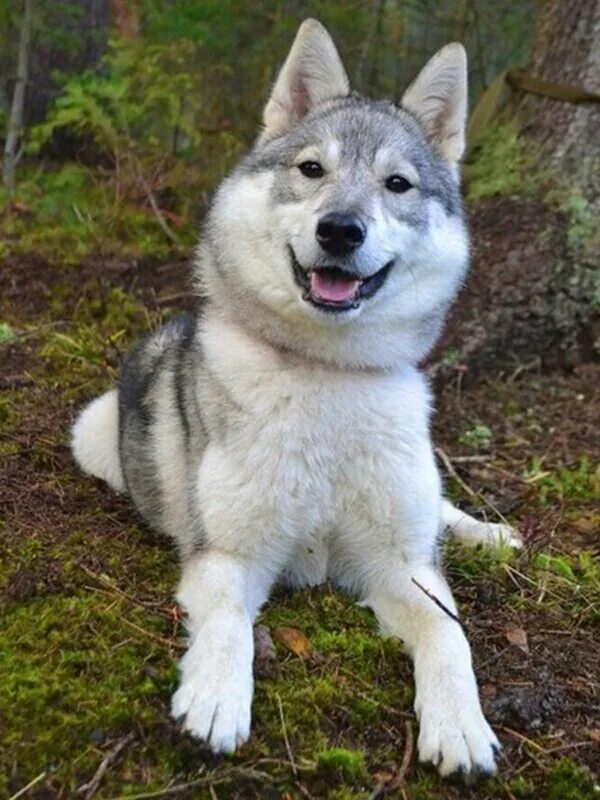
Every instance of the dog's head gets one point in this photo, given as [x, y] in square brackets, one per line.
[341, 234]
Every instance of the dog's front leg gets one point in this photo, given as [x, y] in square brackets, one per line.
[454, 734]
[221, 595]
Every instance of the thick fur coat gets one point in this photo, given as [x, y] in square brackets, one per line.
[284, 433]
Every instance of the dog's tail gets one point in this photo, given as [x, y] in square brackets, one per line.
[95, 440]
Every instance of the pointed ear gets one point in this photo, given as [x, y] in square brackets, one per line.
[312, 74]
[438, 99]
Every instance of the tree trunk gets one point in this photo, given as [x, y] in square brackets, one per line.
[15, 123]
[533, 297]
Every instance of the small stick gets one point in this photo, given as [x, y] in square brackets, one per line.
[30, 785]
[447, 462]
[89, 789]
[397, 779]
[445, 459]
[468, 459]
[207, 780]
[285, 737]
[437, 601]
[15, 382]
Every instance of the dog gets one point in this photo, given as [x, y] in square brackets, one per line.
[283, 432]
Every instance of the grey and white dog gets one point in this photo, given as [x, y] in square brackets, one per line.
[284, 432]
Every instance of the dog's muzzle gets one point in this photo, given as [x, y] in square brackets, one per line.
[334, 289]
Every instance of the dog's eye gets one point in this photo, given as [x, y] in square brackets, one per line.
[398, 184]
[311, 169]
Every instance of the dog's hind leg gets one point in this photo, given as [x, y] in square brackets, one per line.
[471, 531]
[221, 595]
[95, 440]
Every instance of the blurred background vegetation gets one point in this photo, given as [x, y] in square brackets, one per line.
[135, 108]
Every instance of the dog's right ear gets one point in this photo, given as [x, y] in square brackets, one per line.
[313, 73]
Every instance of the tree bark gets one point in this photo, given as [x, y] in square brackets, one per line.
[15, 122]
[533, 296]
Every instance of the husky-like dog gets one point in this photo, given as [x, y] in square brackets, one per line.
[284, 432]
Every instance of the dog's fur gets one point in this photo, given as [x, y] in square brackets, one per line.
[277, 436]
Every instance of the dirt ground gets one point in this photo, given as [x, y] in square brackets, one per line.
[90, 632]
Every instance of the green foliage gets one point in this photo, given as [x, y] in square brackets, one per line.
[96, 322]
[134, 104]
[140, 113]
[502, 165]
[72, 210]
[161, 118]
[7, 334]
[575, 578]
[479, 436]
[581, 482]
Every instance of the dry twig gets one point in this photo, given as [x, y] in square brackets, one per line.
[89, 789]
[398, 778]
[207, 780]
[29, 786]
[285, 737]
[437, 601]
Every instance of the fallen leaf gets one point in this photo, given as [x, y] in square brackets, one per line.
[382, 777]
[292, 639]
[587, 524]
[488, 690]
[518, 637]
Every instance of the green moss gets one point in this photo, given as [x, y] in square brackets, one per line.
[424, 787]
[9, 414]
[71, 666]
[520, 787]
[503, 165]
[568, 781]
[342, 764]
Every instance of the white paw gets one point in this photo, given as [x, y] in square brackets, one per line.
[497, 534]
[491, 534]
[215, 694]
[454, 735]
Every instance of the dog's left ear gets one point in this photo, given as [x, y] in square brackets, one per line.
[313, 73]
[438, 99]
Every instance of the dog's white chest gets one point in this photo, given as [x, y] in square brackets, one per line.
[308, 442]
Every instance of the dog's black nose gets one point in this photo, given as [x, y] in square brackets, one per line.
[340, 234]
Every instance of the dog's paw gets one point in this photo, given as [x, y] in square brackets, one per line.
[455, 737]
[214, 698]
[489, 534]
[497, 534]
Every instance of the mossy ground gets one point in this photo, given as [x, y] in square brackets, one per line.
[90, 633]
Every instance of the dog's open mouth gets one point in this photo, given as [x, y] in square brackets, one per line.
[336, 289]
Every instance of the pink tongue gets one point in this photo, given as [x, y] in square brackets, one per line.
[329, 286]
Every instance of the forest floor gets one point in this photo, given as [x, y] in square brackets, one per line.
[90, 633]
